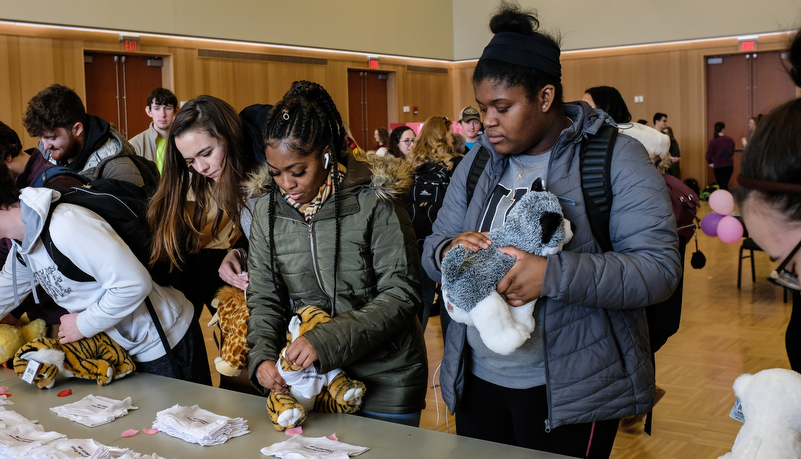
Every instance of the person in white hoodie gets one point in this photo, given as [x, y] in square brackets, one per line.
[114, 302]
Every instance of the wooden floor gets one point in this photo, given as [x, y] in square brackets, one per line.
[724, 333]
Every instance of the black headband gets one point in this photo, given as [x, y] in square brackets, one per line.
[768, 186]
[533, 52]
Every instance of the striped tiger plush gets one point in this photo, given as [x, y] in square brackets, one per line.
[98, 358]
[332, 392]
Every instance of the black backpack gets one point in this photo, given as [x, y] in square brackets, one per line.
[124, 206]
[424, 200]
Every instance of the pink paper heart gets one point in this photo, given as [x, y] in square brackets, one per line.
[333, 436]
[129, 433]
[295, 431]
[65, 393]
[150, 431]
[3, 390]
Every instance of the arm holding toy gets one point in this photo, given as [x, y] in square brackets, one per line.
[349, 336]
[644, 267]
[268, 319]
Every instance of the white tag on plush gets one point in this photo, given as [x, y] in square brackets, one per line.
[30, 371]
[737, 411]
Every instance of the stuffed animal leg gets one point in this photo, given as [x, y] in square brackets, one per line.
[98, 358]
[232, 315]
[285, 411]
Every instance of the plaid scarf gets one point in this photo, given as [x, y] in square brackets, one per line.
[308, 210]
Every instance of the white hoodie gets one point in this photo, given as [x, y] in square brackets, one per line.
[114, 303]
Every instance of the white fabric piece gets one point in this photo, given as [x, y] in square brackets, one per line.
[306, 383]
[10, 418]
[17, 441]
[69, 449]
[5, 401]
[93, 411]
[196, 425]
[300, 447]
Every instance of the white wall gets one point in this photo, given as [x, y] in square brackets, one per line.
[377, 26]
[596, 24]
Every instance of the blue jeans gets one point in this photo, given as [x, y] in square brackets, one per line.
[408, 419]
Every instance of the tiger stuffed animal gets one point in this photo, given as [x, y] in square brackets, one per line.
[332, 392]
[98, 358]
[232, 315]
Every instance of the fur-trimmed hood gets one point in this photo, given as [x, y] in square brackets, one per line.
[390, 177]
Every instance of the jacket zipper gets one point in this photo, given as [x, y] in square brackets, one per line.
[547, 377]
[314, 266]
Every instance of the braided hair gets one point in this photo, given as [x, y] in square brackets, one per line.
[306, 121]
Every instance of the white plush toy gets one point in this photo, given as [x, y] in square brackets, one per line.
[535, 225]
[771, 403]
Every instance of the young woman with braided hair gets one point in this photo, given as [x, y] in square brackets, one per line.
[328, 231]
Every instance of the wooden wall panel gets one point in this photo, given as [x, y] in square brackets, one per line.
[38, 57]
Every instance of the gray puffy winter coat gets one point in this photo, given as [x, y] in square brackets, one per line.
[597, 356]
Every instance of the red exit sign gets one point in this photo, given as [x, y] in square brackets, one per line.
[131, 45]
[372, 63]
[747, 46]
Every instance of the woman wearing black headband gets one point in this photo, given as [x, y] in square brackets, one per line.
[770, 197]
[587, 363]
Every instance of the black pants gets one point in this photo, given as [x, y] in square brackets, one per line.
[190, 353]
[793, 337]
[517, 417]
[723, 175]
[200, 279]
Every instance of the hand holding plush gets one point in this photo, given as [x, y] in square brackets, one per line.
[469, 279]
[332, 392]
[771, 401]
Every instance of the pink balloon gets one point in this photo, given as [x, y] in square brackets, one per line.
[730, 230]
[709, 225]
[722, 202]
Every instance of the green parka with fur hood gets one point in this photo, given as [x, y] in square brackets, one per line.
[374, 333]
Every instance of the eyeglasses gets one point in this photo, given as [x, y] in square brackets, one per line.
[406, 141]
[784, 278]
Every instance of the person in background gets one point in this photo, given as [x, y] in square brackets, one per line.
[401, 141]
[660, 121]
[675, 153]
[753, 122]
[433, 160]
[329, 231]
[720, 155]
[609, 100]
[151, 143]
[459, 144]
[587, 364]
[381, 136]
[770, 197]
[470, 123]
[84, 143]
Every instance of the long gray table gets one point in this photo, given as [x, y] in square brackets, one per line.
[155, 393]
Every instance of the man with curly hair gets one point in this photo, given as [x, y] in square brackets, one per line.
[84, 143]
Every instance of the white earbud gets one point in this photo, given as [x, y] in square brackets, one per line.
[327, 159]
[544, 106]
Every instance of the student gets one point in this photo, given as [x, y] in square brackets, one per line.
[112, 303]
[587, 363]
[25, 167]
[151, 143]
[330, 232]
[720, 155]
[470, 122]
[84, 143]
[433, 160]
[770, 197]
[206, 136]
[401, 141]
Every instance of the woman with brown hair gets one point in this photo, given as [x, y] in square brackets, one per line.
[206, 159]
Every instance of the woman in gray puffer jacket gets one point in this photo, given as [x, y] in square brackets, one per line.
[588, 361]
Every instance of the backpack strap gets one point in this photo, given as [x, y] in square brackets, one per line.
[64, 264]
[55, 171]
[595, 159]
[476, 169]
[167, 349]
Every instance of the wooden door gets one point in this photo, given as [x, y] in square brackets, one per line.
[117, 87]
[367, 104]
[740, 86]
